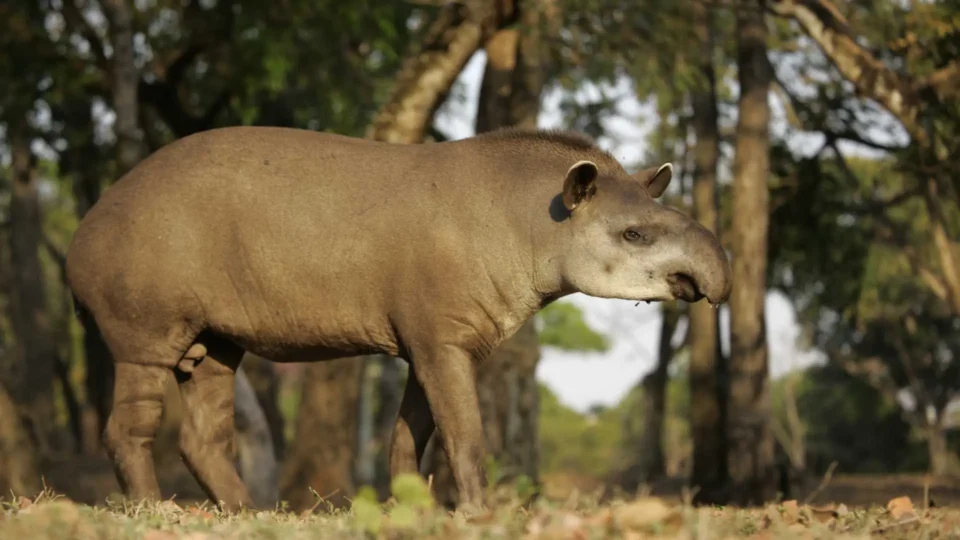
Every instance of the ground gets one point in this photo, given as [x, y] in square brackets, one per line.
[842, 506]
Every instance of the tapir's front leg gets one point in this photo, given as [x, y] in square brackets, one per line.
[448, 377]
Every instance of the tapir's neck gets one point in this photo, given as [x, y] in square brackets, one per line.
[526, 225]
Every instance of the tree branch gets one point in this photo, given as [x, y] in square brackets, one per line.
[175, 71]
[824, 23]
[75, 20]
[794, 105]
[887, 233]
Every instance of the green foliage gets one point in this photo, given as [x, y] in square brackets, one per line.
[411, 490]
[848, 421]
[366, 510]
[573, 442]
[562, 326]
[607, 439]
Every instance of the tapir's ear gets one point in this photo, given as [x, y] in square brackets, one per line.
[655, 179]
[580, 184]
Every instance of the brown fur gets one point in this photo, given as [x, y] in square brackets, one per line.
[305, 246]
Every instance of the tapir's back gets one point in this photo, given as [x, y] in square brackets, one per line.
[273, 227]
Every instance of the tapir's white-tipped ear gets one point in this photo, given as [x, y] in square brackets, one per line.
[579, 184]
[655, 179]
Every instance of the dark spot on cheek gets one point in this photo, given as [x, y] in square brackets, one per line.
[649, 275]
[608, 268]
[266, 162]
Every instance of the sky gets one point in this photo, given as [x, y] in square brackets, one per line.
[581, 380]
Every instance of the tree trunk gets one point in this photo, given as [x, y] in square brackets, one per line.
[389, 393]
[266, 385]
[256, 459]
[126, 79]
[707, 430]
[20, 474]
[506, 381]
[34, 368]
[655, 399]
[321, 456]
[750, 457]
[938, 450]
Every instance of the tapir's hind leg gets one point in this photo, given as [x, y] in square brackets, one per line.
[132, 426]
[207, 432]
[412, 431]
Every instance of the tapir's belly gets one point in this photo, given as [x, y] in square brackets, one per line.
[298, 305]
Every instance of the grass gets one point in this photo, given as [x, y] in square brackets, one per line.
[412, 513]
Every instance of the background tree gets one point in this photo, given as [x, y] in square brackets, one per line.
[750, 451]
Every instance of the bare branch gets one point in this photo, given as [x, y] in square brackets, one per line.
[795, 105]
[76, 21]
[824, 23]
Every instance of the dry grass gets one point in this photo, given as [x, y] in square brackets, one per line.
[412, 514]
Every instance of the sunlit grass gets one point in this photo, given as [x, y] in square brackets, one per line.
[412, 513]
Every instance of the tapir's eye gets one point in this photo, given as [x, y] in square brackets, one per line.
[631, 235]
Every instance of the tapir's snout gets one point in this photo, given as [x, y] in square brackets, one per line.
[707, 273]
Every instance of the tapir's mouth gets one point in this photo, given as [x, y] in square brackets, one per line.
[684, 287]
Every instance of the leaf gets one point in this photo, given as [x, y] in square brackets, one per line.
[411, 490]
[791, 512]
[562, 326]
[901, 507]
[403, 517]
[366, 510]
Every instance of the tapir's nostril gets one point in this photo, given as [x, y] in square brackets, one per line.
[685, 287]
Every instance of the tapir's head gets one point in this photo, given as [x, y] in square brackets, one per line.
[621, 243]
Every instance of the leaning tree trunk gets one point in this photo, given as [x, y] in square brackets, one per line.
[750, 457]
[428, 73]
[506, 380]
[31, 382]
[706, 405]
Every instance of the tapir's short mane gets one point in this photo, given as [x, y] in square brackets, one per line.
[557, 140]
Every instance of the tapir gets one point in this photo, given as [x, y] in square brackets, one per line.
[297, 245]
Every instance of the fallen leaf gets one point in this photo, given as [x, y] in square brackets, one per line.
[900, 508]
[200, 512]
[841, 510]
[791, 512]
[23, 503]
[823, 514]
